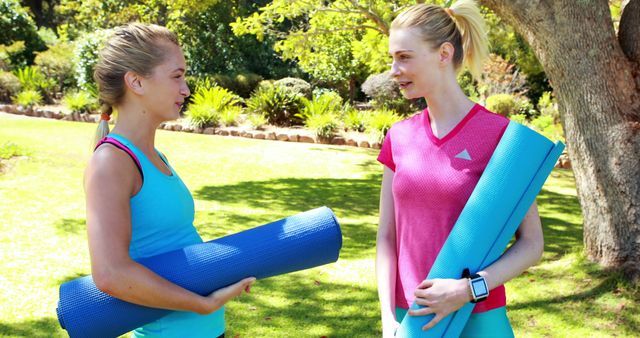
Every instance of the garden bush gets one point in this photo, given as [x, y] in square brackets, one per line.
[28, 98]
[355, 120]
[80, 102]
[279, 105]
[32, 78]
[57, 63]
[9, 86]
[503, 104]
[380, 121]
[229, 116]
[385, 94]
[297, 86]
[16, 25]
[256, 120]
[86, 55]
[323, 125]
[209, 103]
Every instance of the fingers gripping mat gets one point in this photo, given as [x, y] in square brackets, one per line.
[518, 168]
[299, 242]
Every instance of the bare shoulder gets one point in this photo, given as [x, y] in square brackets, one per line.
[112, 167]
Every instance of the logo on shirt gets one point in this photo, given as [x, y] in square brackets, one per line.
[464, 155]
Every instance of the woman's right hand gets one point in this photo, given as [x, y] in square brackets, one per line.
[218, 298]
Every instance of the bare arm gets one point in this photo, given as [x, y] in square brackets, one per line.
[110, 180]
[443, 296]
[386, 257]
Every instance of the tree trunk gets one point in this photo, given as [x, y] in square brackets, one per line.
[599, 100]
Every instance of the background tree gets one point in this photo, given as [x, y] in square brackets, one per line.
[596, 79]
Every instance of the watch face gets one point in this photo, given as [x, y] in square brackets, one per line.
[479, 287]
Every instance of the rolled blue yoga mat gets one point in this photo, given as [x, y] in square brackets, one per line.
[518, 168]
[299, 242]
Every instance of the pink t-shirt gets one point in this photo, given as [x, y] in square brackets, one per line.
[433, 179]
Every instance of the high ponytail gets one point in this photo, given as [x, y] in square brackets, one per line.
[474, 35]
[461, 25]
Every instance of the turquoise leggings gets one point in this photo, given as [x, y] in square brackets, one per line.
[493, 323]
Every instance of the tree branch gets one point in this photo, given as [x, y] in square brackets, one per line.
[629, 32]
[382, 25]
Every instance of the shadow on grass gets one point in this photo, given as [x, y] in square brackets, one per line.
[73, 226]
[350, 199]
[44, 327]
[610, 282]
[560, 234]
[308, 304]
[70, 277]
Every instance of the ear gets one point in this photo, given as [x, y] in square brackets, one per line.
[445, 52]
[133, 81]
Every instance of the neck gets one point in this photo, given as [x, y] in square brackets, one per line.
[137, 126]
[447, 107]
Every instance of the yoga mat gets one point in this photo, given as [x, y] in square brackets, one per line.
[518, 168]
[299, 242]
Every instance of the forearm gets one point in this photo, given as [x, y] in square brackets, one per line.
[134, 283]
[386, 269]
[525, 252]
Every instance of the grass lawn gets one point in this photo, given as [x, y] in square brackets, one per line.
[240, 183]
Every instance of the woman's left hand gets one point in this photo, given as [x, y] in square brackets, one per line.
[440, 297]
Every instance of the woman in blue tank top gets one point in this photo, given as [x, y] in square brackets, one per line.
[137, 205]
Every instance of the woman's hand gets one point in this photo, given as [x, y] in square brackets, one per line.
[440, 297]
[218, 298]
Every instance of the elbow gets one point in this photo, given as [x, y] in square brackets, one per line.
[104, 282]
[537, 250]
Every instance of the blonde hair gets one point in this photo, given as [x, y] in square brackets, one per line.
[132, 47]
[461, 25]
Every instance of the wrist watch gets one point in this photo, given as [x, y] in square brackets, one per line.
[477, 285]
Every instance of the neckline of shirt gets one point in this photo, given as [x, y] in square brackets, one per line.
[439, 141]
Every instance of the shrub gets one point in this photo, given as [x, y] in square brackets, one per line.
[9, 86]
[80, 102]
[545, 125]
[324, 125]
[202, 116]
[380, 122]
[548, 107]
[28, 98]
[208, 105]
[355, 120]
[217, 98]
[503, 104]
[229, 116]
[297, 86]
[57, 63]
[279, 105]
[327, 103]
[32, 78]
[9, 150]
[246, 83]
[86, 56]
[520, 118]
[256, 120]
[16, 25]
[385, 94]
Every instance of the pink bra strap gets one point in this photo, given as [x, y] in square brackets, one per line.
[124, 148]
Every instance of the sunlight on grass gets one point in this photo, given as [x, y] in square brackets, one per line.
[240, 183]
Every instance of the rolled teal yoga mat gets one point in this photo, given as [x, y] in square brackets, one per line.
[509, 185]
[302, 241]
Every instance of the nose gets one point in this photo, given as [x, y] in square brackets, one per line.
[395, 70]
[184, 89]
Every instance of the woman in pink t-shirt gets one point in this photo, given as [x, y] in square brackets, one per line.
[433, 161]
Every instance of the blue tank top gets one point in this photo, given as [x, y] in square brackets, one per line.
[162, 215]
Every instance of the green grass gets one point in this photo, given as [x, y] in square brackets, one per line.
[240, 183]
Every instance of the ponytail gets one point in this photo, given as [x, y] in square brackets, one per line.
[461, 25]
[474, 34]
[103, 125]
